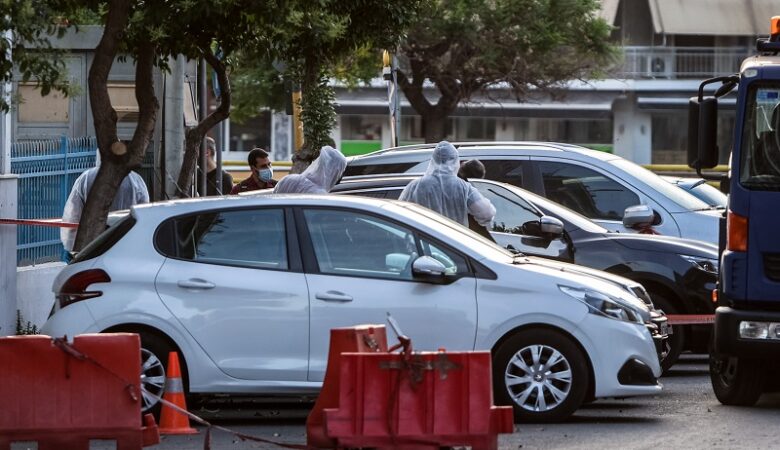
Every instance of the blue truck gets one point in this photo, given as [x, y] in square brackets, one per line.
[745, 357]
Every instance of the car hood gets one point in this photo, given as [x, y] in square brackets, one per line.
[629, 288]
[665, 244]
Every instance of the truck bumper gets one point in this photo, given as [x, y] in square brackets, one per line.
[728, 342]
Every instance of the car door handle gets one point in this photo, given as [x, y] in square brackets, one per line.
[333, 296]
[196, 283]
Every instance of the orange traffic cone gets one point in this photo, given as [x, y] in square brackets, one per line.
[172, 421]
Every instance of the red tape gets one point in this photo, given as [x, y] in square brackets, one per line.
[58, 223]
[690, 319]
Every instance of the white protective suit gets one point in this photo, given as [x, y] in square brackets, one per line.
[442, 191]
[132, 191]
[318, 178]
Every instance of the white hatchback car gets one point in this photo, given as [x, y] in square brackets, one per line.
[247, 288]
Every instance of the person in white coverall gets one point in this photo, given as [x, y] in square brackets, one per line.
[442, 191]
[131, 192]
[318, 178]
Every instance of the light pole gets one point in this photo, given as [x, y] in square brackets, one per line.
[390, 74]
[8, 210]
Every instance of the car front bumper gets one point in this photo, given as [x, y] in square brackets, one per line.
[729, 343]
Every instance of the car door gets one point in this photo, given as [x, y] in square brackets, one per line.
[359, 268]
[595, 194]
[234, 280]
[512, 227]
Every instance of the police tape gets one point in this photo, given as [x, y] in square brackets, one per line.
[57, 223]
[690, 319]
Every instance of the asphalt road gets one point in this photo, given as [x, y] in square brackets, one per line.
[685, 415]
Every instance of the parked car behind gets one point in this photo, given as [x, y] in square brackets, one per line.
[699, 188]
[246, 289]
[596, 184]
[679, 274]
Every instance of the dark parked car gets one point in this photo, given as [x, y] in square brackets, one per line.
[679, 274]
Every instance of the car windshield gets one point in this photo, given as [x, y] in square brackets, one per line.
[455, 230]
[760, 156]
[570, 218]
[709, 194]
[684, 199]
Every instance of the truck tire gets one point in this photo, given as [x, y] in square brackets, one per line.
[676, 342]
[737, 381]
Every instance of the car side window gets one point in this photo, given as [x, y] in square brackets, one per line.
[505, 171]
[511, 211]
[249, 238]
[454, 263]
[585, 191]
[354, 244]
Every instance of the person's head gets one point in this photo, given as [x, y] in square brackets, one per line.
[211, 148]
[260, 164]
[327, 169]
[444, 159]
[472, 169]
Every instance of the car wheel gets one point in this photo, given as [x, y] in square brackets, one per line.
[676, 342]
[738, 382]
[154, 364]
[542, 374]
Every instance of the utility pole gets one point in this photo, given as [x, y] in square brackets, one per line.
[390, 74]
[8, 210]
[203, 111]
[297, 124]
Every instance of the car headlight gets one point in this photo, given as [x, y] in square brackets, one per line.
[709, 265]
[603, 304]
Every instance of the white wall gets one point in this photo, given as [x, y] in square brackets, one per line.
[34, 296]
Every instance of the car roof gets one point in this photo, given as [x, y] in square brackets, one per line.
[184, 206]
[473, 149]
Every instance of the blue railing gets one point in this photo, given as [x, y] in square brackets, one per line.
[47, 170]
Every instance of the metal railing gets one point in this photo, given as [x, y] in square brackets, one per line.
[680, 62]
[47, 170]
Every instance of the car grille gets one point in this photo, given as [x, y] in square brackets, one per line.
[772, 266]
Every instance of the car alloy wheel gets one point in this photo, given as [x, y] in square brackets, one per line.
[538, 378]
[152, 379]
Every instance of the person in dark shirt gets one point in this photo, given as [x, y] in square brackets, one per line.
[474, 169]
[212, 173]
[262, 173]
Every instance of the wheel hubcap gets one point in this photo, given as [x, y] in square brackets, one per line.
[152, 379]
[538, 378]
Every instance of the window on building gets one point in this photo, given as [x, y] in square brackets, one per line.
[34, 108]
[362, 128]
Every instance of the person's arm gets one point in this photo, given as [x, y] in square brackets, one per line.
[72, 213]
[227, 182]
[480, 207]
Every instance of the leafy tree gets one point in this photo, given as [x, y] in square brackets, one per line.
[31, 24]
[316, 40]
[466, 46]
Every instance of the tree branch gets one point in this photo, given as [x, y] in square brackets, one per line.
[147, 104]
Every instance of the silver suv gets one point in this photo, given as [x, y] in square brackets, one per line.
[598, 185]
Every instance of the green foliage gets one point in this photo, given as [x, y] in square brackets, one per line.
[318, 114]
[466, 46]
[24, 327]
[31, 24]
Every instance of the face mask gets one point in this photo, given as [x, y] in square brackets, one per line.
[265, 175]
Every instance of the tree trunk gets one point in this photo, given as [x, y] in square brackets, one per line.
[194, 136]
[434, 125]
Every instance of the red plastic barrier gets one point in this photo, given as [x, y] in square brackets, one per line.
[690, 319]
[426, 400]
[62, 396]
[58, 223]
[359, 339]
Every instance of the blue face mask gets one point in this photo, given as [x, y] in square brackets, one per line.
[265, 175]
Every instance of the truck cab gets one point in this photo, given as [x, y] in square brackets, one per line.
[746, 347]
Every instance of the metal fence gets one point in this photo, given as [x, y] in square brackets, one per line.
[47, 170]
[681, 62]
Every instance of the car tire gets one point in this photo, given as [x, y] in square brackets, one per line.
[737, 381]
[675, 342]
[154, 369]
[526, 355]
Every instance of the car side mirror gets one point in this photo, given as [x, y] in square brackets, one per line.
[551, 226]
[638, 215]
[429, 269]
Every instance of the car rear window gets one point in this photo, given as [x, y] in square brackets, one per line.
[374, 169]
[105, 240]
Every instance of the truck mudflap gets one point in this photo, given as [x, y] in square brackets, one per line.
[727, 335]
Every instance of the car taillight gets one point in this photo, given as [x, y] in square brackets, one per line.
[737, 232]
[75, 289]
